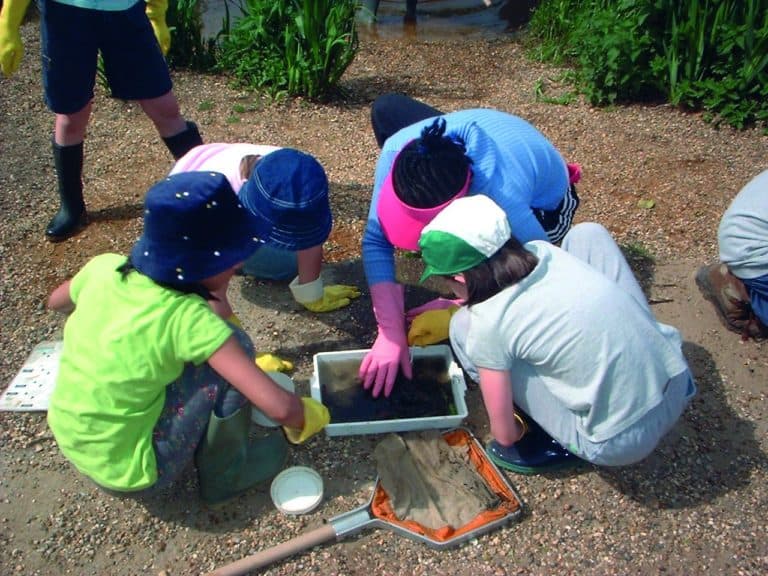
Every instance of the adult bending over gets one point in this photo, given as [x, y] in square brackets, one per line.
[428, 160]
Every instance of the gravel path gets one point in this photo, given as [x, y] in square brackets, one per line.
[698, 504]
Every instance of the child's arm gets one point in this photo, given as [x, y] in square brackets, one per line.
[309, 263]
[234, 365]
[496, 388]
[59, 300]
[308, 289]
[300, 417]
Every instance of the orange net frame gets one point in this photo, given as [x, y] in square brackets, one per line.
[381, 506]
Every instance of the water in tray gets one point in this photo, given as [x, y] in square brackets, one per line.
[428, 394]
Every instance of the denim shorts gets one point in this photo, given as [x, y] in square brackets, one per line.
[758, 296]
[71, 39]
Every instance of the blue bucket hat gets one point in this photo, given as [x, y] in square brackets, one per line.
[194, 227]
[288, 193]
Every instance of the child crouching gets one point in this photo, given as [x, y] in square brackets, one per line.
[152, 378]
[570, 360]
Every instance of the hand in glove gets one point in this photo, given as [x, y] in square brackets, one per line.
[390, 352]
[271, 363]
[430, 327]
[436, 304]
[316, 298]
[316, 417]
[155, 11]
[11, 48]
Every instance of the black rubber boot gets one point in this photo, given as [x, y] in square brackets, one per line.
[410, 11]
[184, 141]
[71, 216]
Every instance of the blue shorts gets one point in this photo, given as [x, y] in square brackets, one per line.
[758, 296]
[71, 39]
[269, 263]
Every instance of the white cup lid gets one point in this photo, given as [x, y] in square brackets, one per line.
[297, 490]
[286, 383]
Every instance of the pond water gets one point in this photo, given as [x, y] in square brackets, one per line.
[435, 19]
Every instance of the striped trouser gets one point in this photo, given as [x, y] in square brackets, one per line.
[557, 222]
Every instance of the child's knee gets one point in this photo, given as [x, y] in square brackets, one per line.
[587, 231]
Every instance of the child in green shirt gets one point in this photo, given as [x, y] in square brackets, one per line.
[152, 375]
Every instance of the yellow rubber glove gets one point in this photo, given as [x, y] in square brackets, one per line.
[316, 417]
[334, 297]
[11, 48]
[156, 10]
[430, 327]
[271, 363]
[316, 298]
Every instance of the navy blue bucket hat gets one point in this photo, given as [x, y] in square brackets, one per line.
[194, 227]
[288, 194]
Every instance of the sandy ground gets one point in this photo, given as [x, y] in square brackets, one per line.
[697, 504]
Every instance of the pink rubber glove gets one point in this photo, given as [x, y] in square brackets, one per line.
[390, 352]
[436, 304]
[574, 173]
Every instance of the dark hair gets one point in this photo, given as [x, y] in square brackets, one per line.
[510, 264]
[247, 164]
[192, 288]
[430, 170]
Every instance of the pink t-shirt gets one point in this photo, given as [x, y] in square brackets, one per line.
[220, 157]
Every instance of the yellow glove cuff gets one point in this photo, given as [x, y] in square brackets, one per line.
[522, 423]
[233, 319]
[12, 14]
[306, 293]
[156, 8]
[316, 417]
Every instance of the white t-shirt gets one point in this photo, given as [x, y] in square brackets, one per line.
[220, 157]
[743, 232]
[596, 349]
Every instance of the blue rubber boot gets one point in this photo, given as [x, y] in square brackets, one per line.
[534, 453]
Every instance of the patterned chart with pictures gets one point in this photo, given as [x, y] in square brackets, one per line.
[32, 386]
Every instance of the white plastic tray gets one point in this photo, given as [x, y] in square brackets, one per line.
[458, 387]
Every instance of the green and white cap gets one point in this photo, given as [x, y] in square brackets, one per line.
[467, 232]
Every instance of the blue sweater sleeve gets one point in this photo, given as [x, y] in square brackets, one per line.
[378, 253]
